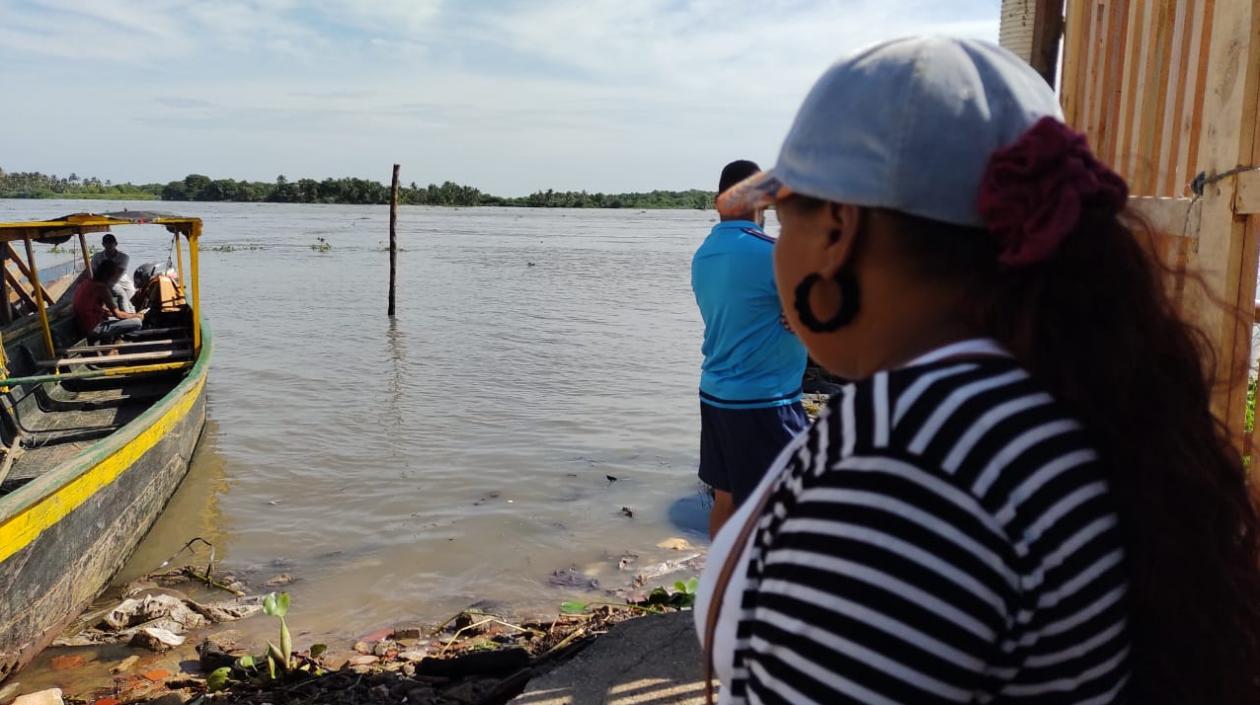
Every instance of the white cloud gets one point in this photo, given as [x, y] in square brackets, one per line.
[510, 96]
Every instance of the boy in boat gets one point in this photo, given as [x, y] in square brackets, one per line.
[122, 290]
[750, 384]
[95, 310]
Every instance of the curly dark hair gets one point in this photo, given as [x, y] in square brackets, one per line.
[1097, 326]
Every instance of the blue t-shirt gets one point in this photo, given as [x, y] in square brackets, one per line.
[751, 360]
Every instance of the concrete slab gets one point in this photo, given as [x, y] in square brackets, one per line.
[653, 659]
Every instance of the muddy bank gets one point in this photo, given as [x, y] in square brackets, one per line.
[185, 634]
[476, 658]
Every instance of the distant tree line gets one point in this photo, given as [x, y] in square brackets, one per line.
[196, 187]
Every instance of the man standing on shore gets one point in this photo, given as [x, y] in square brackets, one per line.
[750, 385]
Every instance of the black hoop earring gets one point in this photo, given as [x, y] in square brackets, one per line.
[850, 298]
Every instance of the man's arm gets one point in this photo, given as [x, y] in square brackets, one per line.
[106, 301]
[119, 313]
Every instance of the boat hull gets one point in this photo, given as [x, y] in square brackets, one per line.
[72, 530]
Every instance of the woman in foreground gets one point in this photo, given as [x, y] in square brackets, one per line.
[1024, 498]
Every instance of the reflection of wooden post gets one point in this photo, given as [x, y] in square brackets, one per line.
[393, 237]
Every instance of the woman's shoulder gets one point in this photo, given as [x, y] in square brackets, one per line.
[984, 426]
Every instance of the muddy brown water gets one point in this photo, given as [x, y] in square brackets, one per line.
[403, 470]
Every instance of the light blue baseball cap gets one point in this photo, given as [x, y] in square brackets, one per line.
[907, 125]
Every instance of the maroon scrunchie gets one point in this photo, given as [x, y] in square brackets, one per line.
[1033, 191]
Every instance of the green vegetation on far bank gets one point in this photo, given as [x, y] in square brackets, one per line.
[196, 187]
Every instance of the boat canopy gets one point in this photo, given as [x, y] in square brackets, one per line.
[58, 230]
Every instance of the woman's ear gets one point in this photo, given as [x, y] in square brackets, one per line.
[844, 222]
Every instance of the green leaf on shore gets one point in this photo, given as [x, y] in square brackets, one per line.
[286, 643]
[318, 650]
[573, 607]
[245, 662]
[218, 679]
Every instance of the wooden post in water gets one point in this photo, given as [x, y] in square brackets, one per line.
[393, 237]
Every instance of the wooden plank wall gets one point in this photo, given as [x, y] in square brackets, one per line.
[1166, 90]
[1134, 79]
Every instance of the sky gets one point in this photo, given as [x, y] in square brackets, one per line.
[510, 96]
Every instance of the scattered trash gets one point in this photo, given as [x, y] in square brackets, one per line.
[676, 544]
[67, 662]
[693, 564]
[628, 512]
[279, 581]
[627, 561]
[572, 578]
[155, 639]
[156, 622]
[52, 696]
[124, 665]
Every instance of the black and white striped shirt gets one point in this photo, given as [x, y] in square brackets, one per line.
[942, 534]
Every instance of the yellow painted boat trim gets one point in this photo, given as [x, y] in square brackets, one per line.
[23, 528]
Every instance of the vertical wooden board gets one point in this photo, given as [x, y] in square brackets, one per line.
[1093, 51]
[1100, 67]
[1168, 111]
[1116, 64]
[1227, 251]
[1118, 149]
[1069, 92]
[1145, 149]
[1179, 146]
[1195, 133]
[1153, 146]
[1047, 33]
[1137, 89]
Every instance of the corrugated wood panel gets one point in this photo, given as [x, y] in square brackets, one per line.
[1133, 77]
[1165, 90]
[1018, 22]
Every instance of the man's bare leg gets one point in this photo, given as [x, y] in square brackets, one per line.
[723, 508]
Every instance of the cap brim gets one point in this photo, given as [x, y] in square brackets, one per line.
[757, 191]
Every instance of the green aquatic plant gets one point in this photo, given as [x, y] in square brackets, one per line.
[682, 596]
[277, 605]
[279, 663]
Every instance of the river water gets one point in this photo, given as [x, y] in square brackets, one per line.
[401, 470]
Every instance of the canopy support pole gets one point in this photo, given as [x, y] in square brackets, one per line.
[6, 308]
[87, 259]
[193, 237]
[39, 298]
[179, 262]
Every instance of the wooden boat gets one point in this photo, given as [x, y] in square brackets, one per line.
[95, 438]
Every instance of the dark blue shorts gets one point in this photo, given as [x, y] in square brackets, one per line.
[738, 445]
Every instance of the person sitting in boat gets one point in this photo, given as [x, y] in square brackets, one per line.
[95, 310]
[123, 291]
[161, 297]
